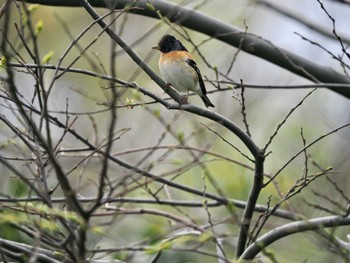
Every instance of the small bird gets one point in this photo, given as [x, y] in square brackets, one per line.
[179, 69]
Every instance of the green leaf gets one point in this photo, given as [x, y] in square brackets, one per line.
[156, 113]
[12, 217]
[47, 57]
[33, 7]
[205, 237]
[151, 7]
[177, 161]
[2, 62]
[44, 210]
[49, 225]
[181, 136]
[98, 230]
[39, 27]
[160, 247]
[129, 103]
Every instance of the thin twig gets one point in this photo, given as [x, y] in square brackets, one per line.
[303, 149]
[243, 110]
[280, 125]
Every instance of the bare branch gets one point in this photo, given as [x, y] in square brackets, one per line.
[290, 229]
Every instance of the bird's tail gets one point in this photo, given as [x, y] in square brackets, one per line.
[206, 101]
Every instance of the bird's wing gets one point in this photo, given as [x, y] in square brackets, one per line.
[193, 64]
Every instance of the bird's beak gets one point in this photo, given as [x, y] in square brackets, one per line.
[156, 47]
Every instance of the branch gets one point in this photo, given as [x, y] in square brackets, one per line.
[297, 16]
[225, 32]
[251, 203]
[292, 228]
[253, 148]
[284, 214]
[20, 251]
[303, 149]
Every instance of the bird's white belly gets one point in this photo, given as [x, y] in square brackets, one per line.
[180, 77]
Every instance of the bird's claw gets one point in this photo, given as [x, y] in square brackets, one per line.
[184, 100]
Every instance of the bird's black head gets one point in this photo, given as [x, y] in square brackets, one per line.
[169, 43]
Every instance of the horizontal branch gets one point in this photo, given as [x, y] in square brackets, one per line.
[225, 32]
[181, 203]
[237, 85]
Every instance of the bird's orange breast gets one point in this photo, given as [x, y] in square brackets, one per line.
[174, 56]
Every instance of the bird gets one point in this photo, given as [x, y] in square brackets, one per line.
[179, 69]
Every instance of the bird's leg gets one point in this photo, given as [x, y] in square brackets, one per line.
[184, 99]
